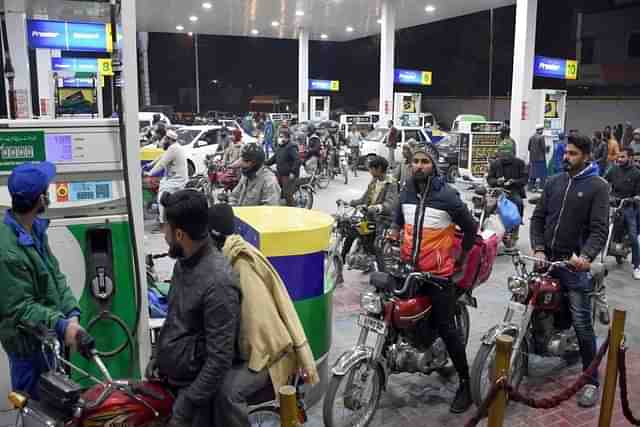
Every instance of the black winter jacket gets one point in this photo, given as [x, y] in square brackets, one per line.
[314, 147]
[625, 182]
[287, 160]
[572, 216]
[197, 343]
[513, 169]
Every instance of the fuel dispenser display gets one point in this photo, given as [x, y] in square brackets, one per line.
[478, 144]
[89, 228]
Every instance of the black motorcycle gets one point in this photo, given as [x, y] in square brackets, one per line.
[357, 240]
[618, 242]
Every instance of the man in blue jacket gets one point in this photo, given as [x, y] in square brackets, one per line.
[570, 222]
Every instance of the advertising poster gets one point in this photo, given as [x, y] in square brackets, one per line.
[77, 101]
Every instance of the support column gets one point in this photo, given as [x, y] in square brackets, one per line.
[387, 60]
[303, 75]
[143, 65]
[130, 115]
[45, 82]
[523, 120]
[16, 20]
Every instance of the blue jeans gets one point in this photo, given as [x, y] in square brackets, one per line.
[631, 224]
[268, 147]
[578, 285]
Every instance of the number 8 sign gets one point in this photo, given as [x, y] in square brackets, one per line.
[104, 67]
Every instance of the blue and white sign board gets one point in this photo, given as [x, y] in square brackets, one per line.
[77, 82]
[328, 85]
[76, 65]
[555, 68]
[79, 36]
[412, 77]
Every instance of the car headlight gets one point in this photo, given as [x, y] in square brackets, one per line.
[518, 286]
[371, 303]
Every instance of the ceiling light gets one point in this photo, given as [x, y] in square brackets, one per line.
[179, 28]
[275, 23]
[193, 18]
[324, 36]
[190, 34]
[207, 5]
[379, 21]
[349, 29]
[430, 9]
[299, 13]
[255, 32]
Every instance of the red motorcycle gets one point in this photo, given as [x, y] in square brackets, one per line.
[131, 403]
[398, 315]
[222, 179]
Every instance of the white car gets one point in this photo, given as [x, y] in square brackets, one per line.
[375, 143]
[233, 124]
[199, 141]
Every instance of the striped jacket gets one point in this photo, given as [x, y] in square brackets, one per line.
[429, 219]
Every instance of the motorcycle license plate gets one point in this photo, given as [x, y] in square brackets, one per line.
[517, 311]
[375, 325]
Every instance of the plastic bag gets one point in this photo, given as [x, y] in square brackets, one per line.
[509, 214]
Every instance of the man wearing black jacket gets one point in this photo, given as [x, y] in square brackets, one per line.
[197, 343]
[314, 151]
[287, 161]
[509, 172]
[429, 211]
[570, 222]
[625, 184]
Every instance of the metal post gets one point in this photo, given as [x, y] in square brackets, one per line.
[504, 344]
[490, 108]
[288, 407]
[611, 376]
[195, 43]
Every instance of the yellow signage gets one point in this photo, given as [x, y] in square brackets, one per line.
[426, 78]
[105, 67]
[335, 85]
[571, 70]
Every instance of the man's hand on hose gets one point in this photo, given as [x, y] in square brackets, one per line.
[85, 344]
[71, 334]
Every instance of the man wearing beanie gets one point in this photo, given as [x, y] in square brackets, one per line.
[429, 211]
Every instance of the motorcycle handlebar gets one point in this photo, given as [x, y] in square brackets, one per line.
[419, 276]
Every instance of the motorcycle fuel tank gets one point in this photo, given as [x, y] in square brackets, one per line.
[407, 313]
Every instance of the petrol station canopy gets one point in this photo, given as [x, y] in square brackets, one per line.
[333, 20]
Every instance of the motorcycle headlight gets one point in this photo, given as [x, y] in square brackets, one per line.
[518, 286]
[371, 303]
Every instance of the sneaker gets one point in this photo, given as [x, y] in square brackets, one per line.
[462, 401]
[636, 273]
[588, 397]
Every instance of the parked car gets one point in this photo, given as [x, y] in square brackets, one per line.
[199, 141]
[375, 143]
[233, 124]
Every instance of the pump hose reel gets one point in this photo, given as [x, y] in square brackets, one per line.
[129, 341]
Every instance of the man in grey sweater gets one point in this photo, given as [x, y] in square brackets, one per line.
[174, 165]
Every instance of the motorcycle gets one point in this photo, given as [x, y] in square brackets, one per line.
[367, 236]
[618, 243]
[485, 207]
[221, 179]
[537, 318]
[304, 193]
[405, 340]
[111, 402]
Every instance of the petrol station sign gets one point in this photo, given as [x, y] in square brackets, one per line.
[78, 36]
[555, 68]
[75, 65]
[413, 77]
[327, 85]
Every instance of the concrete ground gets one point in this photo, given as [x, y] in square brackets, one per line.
[424, 401]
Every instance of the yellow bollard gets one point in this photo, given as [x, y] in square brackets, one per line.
[288, 407]
[611, 375]
[504, 344]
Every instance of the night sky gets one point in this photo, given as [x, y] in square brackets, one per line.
[456, 50]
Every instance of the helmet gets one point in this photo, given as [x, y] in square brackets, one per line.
[636, 131]
[311, 128]
[253, 152]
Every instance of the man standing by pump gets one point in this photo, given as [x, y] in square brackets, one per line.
[570, 222]
[34, 291]
[287, 161]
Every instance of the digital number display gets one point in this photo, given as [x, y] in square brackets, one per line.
[59, 148]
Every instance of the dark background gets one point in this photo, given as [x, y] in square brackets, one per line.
[455, 50]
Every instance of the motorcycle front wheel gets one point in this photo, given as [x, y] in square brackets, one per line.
[345, 404]
[484, 366]
[322, 180]
[303, 198]
[266, 416]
